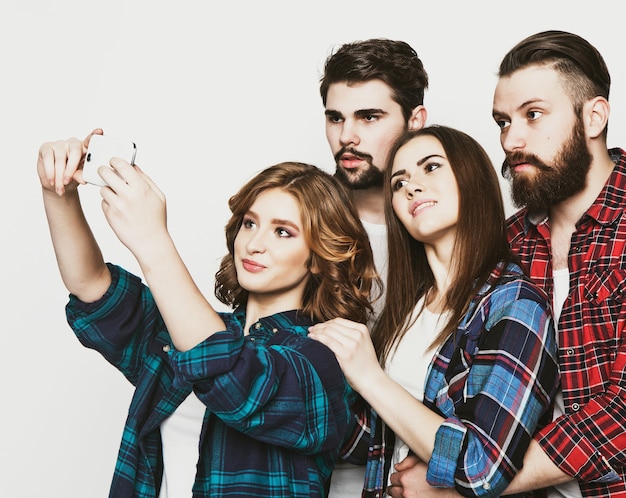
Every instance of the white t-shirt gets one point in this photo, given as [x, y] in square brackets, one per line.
[378, 241]
[570, 489]
[347, 479]
[409, 362]
[180, 434]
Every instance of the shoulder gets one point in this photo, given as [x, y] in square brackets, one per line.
[509, 294]
[509, 283]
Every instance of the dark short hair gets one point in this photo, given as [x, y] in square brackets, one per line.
[393, 62]
[581, 65]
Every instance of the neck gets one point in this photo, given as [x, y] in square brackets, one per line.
[370, 204]
[569, 211]
[262, 306]
[440, 261]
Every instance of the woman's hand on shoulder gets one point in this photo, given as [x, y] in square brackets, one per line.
[353, 348]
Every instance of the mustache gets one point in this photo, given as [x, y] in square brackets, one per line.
[522, 157]
[349, 150]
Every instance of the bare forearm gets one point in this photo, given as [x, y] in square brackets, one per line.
[189, 317]
[403, 414]
[538, 472]
[79, 258]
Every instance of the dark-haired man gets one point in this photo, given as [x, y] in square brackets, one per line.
[372, 91]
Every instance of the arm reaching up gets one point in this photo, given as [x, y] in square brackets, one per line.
[79, 258]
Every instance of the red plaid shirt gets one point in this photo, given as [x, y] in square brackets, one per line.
[589, 441]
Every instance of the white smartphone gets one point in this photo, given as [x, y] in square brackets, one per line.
[100, 151]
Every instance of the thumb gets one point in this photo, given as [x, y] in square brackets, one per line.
[407, 463]
[96, 131]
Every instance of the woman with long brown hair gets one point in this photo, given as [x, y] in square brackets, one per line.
[461, 365]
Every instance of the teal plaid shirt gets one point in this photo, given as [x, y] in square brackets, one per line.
[277, 401]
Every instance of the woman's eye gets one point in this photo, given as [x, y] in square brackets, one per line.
[248, 223]
[283, 232]
[432, 167]
[398, 184]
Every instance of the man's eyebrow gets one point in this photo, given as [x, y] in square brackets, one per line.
[358, 113]
[527, 103]
[369, 112]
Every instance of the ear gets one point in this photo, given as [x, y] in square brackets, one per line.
[417, 120]
[313, 266]
[596, 116]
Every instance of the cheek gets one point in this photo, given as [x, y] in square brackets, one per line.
[395, 204]
[301, 261]
[332, 135]
[239, 243]
[398, 206]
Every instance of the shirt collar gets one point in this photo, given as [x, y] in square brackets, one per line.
[291, 318]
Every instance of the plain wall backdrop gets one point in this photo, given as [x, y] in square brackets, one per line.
[211, 92]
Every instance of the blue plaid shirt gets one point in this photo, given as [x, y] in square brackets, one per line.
[277, 401]
[493, 381]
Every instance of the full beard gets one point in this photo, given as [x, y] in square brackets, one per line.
[361, 179]
[551, 184]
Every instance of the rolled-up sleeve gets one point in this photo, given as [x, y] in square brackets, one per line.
[288, 392]
[499, 387]
[120, 325]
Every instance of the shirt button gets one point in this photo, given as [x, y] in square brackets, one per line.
[252, 338]
[486, 486]
[257, 325]
[570, 352]
[274, 330]
[166, 348]
[575, 407]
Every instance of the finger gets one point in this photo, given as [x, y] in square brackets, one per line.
[75, 156]
[344, 327]
[394, 478]
[61, 150]
[408, 462]
[78, 174]
[119, 175]
[150, 182]
[394, 491]
[96, 131]
[46, 159]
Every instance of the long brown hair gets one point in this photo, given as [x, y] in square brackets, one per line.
[342, 265]
[480, 244]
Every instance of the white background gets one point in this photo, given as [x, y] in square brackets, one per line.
[211, 92]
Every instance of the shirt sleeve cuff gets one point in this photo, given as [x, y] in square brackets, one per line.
[83, 308]
[448, 445]
[214, 356]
